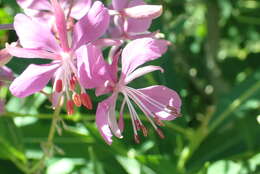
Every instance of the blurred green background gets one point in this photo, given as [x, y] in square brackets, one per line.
[214, 64]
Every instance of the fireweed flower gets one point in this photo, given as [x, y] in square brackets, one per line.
[38, 41]
[132, 18]
[156, 102]
[43, 11]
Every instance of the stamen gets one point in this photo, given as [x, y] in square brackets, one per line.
[70, 107]
[72, 84]
[86, 101]
[137, 124]
[144, 130]
[58, 87]
[172, 110]
[137, 138]
[76, 99]
[160, 133]
[158, 121]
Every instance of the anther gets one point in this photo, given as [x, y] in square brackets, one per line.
[160, 133]
[58, 87]
[76, 99]
[70, 107]
[137, 124]
[158, 121]
[173, 110]
[72, 84]
[137, 138]
[144, 130]
[86, 101]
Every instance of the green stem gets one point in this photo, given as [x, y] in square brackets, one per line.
[235, 104]
[49, 144]
[21, 166]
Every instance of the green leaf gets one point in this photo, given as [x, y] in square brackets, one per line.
[10, 140]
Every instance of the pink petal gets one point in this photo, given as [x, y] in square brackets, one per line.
[35, 4]
[164, 96]
[92, 68]
[140, 72]
[61, 25]
[33, 79]
[30, 53]
[43, 17]
[103, 119]
[141, 51]
[138, 25]
[91, 26]
[6, 74]
[119, 4]
[34, 35]
[5, 57]
[79, 9]
[106, 42]
[142, 35]
[143, 11]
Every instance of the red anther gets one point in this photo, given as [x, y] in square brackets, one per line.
[137, 139]
[76, 99]
[70, 107]
[144, 130]
[160, 133]
[86, 101]
[72, 84]
[158, 121]
[137, 124]
[173, 110]
[58, 87]
[74, 78]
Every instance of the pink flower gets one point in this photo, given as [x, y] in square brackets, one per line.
[42, 9]
[38, 42]
[156, 102]
[133, 19]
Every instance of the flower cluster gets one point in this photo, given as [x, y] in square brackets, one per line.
[72, 34]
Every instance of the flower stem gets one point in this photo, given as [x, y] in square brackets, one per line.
[49, 144]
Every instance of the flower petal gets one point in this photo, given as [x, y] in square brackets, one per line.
[35, 4]
[60, 24]
[80, 8]
[137, 25]
[92, 69]
[106, 120]
[5, 57]
[91, 26]
[30, 53]
[119, 4]
[33, 34]
[6, 74]
[33, 79]
[143, 11]
[163, 95]
[141, 71]
[141, 51]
